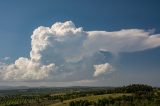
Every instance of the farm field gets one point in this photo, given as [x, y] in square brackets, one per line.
[91, 98]
[131, 95]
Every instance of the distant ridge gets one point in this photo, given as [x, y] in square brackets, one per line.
[13, 87]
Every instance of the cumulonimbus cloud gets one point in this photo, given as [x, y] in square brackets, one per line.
[63, 50]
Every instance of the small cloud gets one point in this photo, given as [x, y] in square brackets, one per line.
[5, 58]
[86, 81]
[102, 69]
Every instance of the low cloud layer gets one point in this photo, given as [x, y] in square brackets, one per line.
[63, 52]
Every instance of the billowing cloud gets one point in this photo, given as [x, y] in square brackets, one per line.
[102, 69]
[61, 42]
[64, 52]
[24, 70]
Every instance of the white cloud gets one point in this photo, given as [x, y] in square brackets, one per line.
[62, 39]
[25, 69]
[102, 69]
[128, 40]
[5, 59]
[63, 51]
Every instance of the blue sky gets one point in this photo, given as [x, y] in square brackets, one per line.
[20, 17]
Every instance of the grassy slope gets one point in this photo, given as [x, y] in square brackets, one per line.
[90, 98]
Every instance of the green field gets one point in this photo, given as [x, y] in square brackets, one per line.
[131, 95]
[91, 98]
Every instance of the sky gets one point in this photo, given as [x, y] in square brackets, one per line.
[79, 43]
